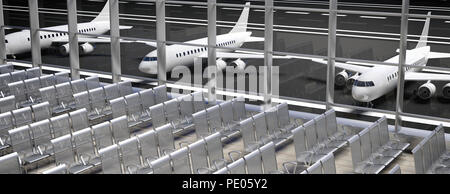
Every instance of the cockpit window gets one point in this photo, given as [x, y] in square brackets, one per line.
[363, 83]
[149, 59]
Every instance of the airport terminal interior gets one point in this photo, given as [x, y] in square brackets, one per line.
[224, 87]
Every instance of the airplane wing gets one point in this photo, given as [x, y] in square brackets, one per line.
[242, 55]
[438, 55]
[125, 27]
[346, 66]
[254, 39]
[152, 44]
[90, 40]
[420, 76]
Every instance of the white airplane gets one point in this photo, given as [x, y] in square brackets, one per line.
[181, 55]
[19, 42]
[372, 81]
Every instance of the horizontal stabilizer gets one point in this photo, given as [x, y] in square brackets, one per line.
[254, 39]
[438, 55]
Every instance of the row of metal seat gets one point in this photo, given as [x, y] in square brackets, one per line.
[24, 116]
[178, 111]
[32, 142]
[27, 92]
[134, 155]
[431, 155]
[271, 125]
[10, 164]
[372, 149]
[79, 150]
[15, 76]
[223, 118]
[260, 161]
[61, 97]
[136, 105]
[97, 100]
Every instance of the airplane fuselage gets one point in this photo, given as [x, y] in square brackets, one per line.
[182, 55]
[20, 42]
[381, 80]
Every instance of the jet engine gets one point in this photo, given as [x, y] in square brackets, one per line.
[446, 91]
[64, 49]
[341, 78]
[86, 48]
[426, 91]
[239, 64]
[351, 80]
[221, 64]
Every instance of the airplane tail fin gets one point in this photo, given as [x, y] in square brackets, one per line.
[241, 24]
[104, 14]
[424, 37]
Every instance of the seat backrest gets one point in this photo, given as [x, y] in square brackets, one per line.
[111, 91]
[198, 155]
[198, 101]
[41, 111]
[118, 107]
[60, 125]
[180, 161]
[97, 98]
[149, 145]
[22, 116]
[6, 123]
[226, 112]
[82, 100]
[62, 77]
[64, 93]
[260, 125]
[321, 128]
[311, 135]
[18, 90]
[47, 80]
[427, 156]
[269, 158]
[120, 129]
[20, 139]
[18, 76]
[186, 105]
[5, 79]
[49, 94]
[157, 115]
[247, 131]
[331, 121]
[375, 138]
[355, 150]
[214, 147]
[366, 147]
[237, 167]
[125, 88]
[32, 85]
[440, 133]
[171, 110]
[254, 162]
[10, 164]
[160, 94]
[6, 68]
[33, 72]
[129, 149]
[434, 148]
[102, 135]
[7, 103]
[110, 159]
[214, 120]
[271, 120]
[134, 107]
[418, 159]
[383, 130]
[78, 86]
[239, 109]
[147, 98]
[283, 115]
[165, 137]
[299, 140]
[162, 165]
[92, 82]
[201, 124]
[79, 119]
[63, 150]
[42, 134]
[328, 164]
[83, 143]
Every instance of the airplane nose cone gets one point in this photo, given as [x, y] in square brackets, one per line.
[148, 67]
[360, 95]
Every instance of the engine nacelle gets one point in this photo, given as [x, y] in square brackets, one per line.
[350, 81]
[426, 91]
[341, 78]
[239, 64]
[86, 48]
[64, 49]
[221, 64]
[446, 91]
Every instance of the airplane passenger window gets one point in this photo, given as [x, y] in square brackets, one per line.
[149, 58]
[27, 39]
[6, 41]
